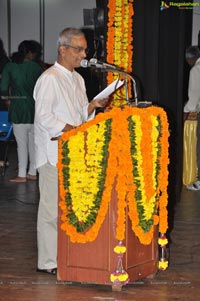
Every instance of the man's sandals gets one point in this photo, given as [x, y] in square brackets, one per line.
[48, 271]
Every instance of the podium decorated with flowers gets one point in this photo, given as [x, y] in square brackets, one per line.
[113, 178]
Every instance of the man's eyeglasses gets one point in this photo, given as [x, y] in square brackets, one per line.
[78, 49]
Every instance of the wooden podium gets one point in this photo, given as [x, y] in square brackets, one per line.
[94, 261]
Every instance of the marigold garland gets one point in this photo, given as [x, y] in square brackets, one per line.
[126, 185]
[142, 187]
[83, 179]
[145, 139]
[119, 42]
[86, 173]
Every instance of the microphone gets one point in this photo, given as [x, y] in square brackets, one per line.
[93, 62]
[84, 63]
[97, 64]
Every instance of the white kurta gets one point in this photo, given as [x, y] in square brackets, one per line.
[60, 98]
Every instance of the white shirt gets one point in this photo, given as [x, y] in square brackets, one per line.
[193, 103]
[60, 98]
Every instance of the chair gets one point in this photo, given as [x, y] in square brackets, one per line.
[5, 137]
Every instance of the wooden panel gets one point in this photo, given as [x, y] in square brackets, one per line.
[90, 262]
[141, 260]
[93, 262]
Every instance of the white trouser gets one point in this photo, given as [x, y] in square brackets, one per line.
[24, 135]
[47, 217]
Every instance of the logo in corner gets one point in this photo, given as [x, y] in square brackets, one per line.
[164, 5]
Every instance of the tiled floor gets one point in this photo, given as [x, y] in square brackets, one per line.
[19, 280]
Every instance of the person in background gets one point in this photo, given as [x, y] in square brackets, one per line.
[36, 50]
[192, 56]
[18, 79]
[61, 104]
[4, 104]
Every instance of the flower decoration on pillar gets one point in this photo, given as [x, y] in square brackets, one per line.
[119, 42]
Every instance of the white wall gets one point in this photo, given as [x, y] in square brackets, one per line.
[58, 15]
[196, 25]
[3, 23]
[25, 21]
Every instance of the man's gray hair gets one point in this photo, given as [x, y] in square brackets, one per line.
[66, 35]
[192, 52]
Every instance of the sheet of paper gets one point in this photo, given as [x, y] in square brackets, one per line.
[109, 89]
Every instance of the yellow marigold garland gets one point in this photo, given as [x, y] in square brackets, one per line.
[84, 188]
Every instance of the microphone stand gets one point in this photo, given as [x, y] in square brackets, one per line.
[125, 75]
